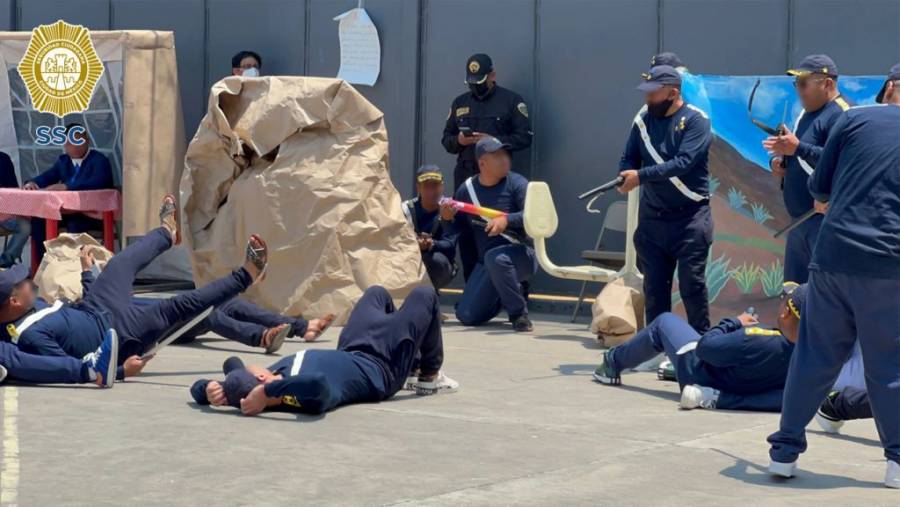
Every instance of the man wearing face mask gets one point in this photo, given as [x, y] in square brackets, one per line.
[486, 110]
[246, 63]
[795, 154]
[667, 155]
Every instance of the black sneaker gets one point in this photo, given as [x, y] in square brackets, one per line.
[826, 417]
[522, 325]
[606, 373]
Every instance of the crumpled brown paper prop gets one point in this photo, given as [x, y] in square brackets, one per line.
[59, 275]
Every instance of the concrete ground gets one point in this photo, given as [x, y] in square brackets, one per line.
[527, 427]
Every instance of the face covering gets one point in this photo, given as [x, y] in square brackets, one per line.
[250, 72]
[660, 109]
[480, 90]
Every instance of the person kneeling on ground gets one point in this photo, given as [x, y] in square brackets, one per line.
[438, 246]
[506, 259]
[736, 365]
[236, 319]
[378, 349]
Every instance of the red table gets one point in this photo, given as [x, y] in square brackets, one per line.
[51, 205]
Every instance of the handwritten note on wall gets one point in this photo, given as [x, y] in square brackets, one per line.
[360, 48]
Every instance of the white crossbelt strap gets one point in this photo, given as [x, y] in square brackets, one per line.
[808, 169]
[407, 212]
[639, 121]
[687, 348]
[298, 362]
[471, 190]
[34, 317]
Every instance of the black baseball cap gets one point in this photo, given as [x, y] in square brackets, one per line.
[489, 145]
[893, 75]
[795, 293]
[429, 172]
[666, 58]
[238, 381]
[659, 76]
[9, 278]
[815, 64]
[478, 66]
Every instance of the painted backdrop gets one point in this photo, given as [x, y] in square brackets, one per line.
[746, 262]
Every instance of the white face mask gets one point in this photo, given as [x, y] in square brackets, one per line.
[251, 72]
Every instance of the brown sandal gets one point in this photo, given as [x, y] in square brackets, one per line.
[168, 217]
[259, 257]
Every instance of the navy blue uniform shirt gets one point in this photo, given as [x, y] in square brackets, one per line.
[742, 360]
[508, 195]
[429, 222]
[859, 176]
[327, 379]
[95, 173]
[682, 141]
[812, 131]
[70, 331]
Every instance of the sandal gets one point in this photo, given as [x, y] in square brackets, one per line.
[259, 257]
[328, 320]
[168, 217]
[278, 339]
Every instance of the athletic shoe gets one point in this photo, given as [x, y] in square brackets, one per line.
[103, 361]
[522, 324]
[826, 417]
[440, 384]
[278, 340]
[785, 470]
[666, 371]
[606, 373]
[892, 475]
[410, 384]
[697, 396]
[2, 374]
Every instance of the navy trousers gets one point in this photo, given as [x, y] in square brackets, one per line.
[394, 338]
[496, 284]
[668, 333]
[799, 248]
[140, 326]
[42, 369]
[852, 403]
[441, 269]
[73, 223]
[841, 309]
[241, 321]
[666, 241]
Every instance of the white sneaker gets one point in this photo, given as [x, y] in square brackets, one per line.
[697, 396]
[2, 374]
[785, 470]
[440, 384]
[828, 425]
[892, 475]
[410, 384]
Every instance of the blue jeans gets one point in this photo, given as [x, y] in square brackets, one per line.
[21, 230]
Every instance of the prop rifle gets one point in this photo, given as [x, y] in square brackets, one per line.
[597, 192]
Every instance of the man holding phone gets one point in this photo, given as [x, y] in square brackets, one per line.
[486, 110]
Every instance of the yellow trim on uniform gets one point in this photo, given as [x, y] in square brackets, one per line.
[759, 331]
[793, 308]
[798, 73]
[843, 104]
[430, 176]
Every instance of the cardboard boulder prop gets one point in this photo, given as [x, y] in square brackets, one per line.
[303, 162]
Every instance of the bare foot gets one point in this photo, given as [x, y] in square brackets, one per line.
[273, 338]
[257, 258]
[167, 217]
[316, 327]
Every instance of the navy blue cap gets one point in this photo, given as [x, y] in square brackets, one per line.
[489, 145]
[666, 58]
[796, 297]
[238, 381]
[429, 172]
[659, 76]
[11, 277]
[815, 64]
[893, 75]
[478, 66]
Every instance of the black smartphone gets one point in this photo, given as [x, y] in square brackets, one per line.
[466, 131]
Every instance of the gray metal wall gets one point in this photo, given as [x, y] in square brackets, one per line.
[574, 61]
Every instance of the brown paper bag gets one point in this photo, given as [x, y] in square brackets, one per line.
[617, 313]
[59, 275]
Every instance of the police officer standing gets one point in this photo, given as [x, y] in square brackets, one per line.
[795, 155]
[854, 281]
[667, 155]
[486, 110]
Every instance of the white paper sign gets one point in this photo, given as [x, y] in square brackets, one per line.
[360, 48]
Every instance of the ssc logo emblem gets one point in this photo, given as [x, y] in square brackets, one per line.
[60, 68]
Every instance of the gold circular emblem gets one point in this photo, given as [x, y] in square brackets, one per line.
[60, 68]
[474, 66]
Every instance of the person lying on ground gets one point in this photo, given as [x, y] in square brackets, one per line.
[737, 365]
[236, 319]
[378, 349]
[77, 329]
[98, 367]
